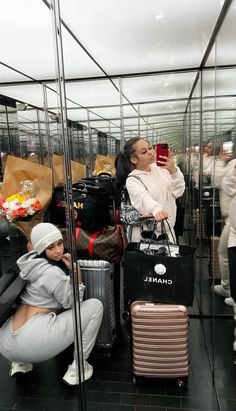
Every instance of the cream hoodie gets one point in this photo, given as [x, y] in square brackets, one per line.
[162, 190]
[225, 179]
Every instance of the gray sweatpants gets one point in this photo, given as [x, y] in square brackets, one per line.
[44, 336]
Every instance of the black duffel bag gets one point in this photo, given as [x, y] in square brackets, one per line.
[159, 278]
[91, 206]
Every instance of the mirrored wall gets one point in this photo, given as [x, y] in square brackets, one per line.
[193, 109]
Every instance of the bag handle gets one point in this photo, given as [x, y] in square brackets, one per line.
[84, 186]
[162, 222]
[162, 226]
[170, 230]
[164, 230]
[138, 178]
[123, 195]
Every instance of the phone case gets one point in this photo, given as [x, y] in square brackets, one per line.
[162, 149]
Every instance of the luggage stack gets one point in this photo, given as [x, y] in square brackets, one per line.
[214, 269]
[94, 201]
[156, 297]
[160, 341]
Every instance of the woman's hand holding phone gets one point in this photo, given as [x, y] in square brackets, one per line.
[168, 163]
[164, 159]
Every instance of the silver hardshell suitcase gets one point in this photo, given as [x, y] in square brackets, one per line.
[98, 277]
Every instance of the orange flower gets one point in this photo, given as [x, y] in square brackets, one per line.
[22, 212]
[37, 205]
[14, 214]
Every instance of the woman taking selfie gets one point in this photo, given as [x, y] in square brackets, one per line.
[152, 188]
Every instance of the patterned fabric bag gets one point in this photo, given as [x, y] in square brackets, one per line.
[108, 244]
[128, 214]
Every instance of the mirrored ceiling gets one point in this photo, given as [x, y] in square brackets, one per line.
[154, 50]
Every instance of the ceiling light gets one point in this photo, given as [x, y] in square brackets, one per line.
[159, 15]
[21, 106]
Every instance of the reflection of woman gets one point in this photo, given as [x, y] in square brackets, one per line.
[232, 259]
[37, 331]
[208, 159]
[155, 194]
[225, 179]
[207, 163]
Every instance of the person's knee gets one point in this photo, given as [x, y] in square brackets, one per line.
[97, 306]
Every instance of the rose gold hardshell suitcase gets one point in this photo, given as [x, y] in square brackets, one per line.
[214, 269]
[160, 341]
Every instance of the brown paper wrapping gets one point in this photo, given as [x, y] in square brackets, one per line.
[104, 163]
[78, 170]
[17, 170]
[33, 158]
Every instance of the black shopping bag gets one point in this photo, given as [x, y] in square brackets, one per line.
[159, 278]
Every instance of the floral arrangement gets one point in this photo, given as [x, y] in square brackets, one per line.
[21, 204]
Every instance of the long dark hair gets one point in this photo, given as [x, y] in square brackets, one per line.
[123, 164]
[59, 264]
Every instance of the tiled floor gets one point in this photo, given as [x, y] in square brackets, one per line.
[111, 387]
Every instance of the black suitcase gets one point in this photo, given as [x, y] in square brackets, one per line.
[98, 277]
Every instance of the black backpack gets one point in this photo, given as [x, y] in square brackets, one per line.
[11, 285]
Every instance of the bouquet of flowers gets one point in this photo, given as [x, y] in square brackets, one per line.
[25, 193]
[21, 204]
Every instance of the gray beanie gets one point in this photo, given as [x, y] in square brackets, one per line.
[43, 235]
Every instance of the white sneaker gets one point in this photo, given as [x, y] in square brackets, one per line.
[220, 290]
[20, 367]
[70, 375]
[234, 345]
[229, 301]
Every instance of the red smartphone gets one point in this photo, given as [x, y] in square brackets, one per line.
[162, 149]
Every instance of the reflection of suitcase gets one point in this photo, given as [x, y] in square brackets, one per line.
[204, 223]
[98, 277]
[214, 269]
[160, 341]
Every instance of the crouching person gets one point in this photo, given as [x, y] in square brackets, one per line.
[38, 330]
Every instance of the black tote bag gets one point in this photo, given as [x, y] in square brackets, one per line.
[159, 278]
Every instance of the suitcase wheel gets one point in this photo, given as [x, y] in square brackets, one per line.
[182, 382]
[136, 380]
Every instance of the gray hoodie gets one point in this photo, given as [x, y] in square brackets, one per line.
[47, 284]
